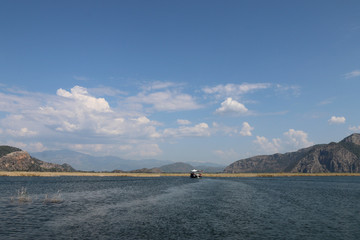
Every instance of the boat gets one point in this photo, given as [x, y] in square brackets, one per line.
[195, 173]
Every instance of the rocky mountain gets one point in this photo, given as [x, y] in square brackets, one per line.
[343, 156]
[14, 159]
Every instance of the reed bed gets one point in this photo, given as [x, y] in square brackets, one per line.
[277, 174]
[84, 174]
[108, 174]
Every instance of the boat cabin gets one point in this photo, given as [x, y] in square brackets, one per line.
[195, 173]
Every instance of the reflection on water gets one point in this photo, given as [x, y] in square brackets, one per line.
[181, 208]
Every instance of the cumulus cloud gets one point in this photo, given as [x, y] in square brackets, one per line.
[246, 129]
[297, 138]
[292, 140]
[268, 146]
[81, 96]
[355, 73]
[336, 120]
[231, 106]
[73, 116]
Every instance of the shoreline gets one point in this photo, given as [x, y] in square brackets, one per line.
[221, 175]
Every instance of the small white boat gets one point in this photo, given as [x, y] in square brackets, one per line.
[195, 173]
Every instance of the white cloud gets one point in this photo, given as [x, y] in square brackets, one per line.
[23, 132]
[336, 120]
[13, 103]
[297, 138]
[295, 90]
[354, 128]
[232, 90]
[231, 106]
[106, 91]
[65, 115]
[223, 129]
[267, 146]
[183, 122]
[67, 127]
[355, 73]
[292, 140]
[166, 101]
[142, 120]
[246, 129]
[81, 97]
[199, 130]
[156, 85]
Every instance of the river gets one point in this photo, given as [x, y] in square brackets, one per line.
[179, 208]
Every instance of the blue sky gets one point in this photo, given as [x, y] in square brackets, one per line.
[212, 81]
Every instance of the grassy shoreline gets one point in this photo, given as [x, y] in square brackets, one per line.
[107, 174]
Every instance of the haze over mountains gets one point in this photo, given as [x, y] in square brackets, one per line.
[85, 162]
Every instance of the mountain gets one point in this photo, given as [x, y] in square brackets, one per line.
[178, 167]
[343, 156]
[87, 162]
[208, 167]
[14, 159]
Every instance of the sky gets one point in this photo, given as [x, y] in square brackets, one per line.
[206, 81]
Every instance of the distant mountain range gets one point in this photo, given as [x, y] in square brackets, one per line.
[341, 157]
[14, 159]
[85, 162]
[178, 167]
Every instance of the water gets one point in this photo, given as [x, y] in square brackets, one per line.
[181, 208]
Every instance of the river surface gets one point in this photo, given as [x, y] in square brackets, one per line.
[180, 208]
